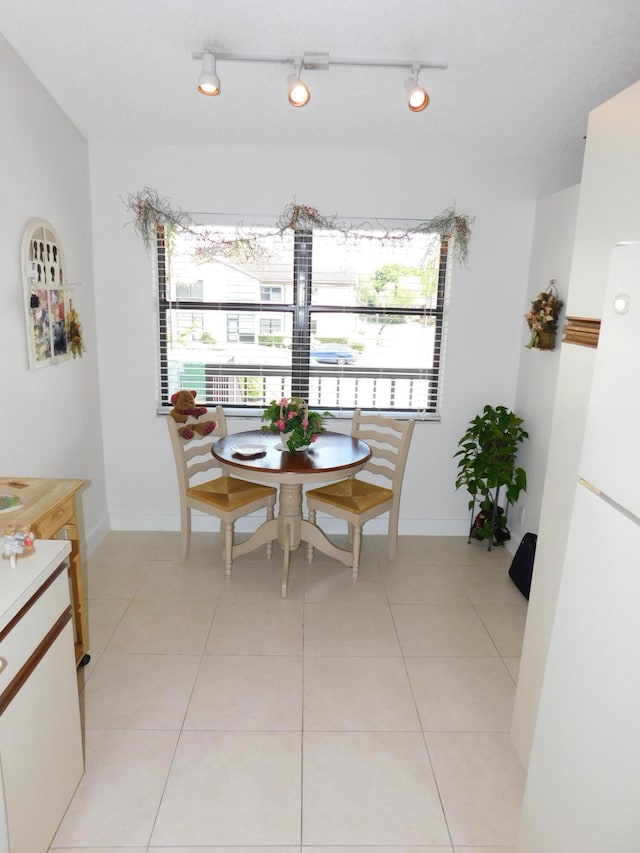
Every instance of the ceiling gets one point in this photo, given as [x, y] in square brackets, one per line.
[522, 76]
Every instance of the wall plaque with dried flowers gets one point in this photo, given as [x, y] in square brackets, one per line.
[542, 318]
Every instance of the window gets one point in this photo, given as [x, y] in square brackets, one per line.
[189, 291]
[270, 326]
[344, 319]
[268, 293]
[241, 328]
[189, 325]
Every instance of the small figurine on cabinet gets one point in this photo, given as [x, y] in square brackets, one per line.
[27, 542]
[16, 543]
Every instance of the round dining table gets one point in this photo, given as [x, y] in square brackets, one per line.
[261, 457]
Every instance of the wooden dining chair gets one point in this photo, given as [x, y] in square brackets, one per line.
[227, 498]
[358, 499]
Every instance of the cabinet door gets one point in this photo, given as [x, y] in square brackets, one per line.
[41, 748]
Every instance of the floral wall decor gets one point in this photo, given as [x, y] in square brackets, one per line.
[46, 296]
[74, 332]
[151, 211]
[542, 318]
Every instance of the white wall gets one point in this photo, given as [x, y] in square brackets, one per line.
[52, 174]
[486, 322]
[50, 425]
[608, 212]
[553, 237]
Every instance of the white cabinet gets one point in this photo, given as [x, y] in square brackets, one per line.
[40, 732]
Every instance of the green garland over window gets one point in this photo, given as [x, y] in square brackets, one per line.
[151, 211]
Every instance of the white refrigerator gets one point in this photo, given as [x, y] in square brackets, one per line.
[583, 785]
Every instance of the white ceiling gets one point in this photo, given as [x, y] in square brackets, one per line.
[522, 78]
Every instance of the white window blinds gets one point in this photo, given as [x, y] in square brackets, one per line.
[344, 319]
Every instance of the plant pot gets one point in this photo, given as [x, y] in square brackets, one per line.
[285, 443]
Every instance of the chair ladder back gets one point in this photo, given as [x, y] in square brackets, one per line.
[193, 456]
[177, 446]
[221, 422]
[380, 422]
[387, 472]
[202, 467]
[403, 453]
[389, 441]
[197, 451]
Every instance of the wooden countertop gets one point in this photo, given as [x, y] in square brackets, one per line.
[40, 495]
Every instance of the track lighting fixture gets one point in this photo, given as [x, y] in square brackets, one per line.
[298, 90]
[208, 83]
[417, 97]
[299, 93]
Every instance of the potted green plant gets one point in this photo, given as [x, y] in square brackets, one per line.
[299, 425]
[486, 465]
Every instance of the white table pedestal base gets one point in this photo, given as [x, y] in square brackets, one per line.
[291, 530]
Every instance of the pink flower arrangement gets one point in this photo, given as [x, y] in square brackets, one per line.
[292, 417]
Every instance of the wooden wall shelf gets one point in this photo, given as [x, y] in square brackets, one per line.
[583, 331]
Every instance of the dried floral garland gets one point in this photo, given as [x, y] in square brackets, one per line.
[151, 211]
[448, 224]
[301, 216]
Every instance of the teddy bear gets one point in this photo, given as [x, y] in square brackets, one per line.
[184, 408]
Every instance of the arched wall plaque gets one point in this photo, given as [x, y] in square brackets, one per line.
[46, 300]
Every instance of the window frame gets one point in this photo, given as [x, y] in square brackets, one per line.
[304, 314]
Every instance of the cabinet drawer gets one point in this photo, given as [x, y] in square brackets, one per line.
[41, 747]
[21, 637]
[48, 526]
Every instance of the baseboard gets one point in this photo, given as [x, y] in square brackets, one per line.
[95, 536]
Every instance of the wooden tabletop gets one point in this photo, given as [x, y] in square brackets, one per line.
[332, 451]
[39, 496]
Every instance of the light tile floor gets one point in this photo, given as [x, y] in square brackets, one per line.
[348, 718]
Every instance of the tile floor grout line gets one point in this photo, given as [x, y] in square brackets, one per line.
[422, 731]
[308, 583]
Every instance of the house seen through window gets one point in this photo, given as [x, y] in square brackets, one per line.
[346, 320]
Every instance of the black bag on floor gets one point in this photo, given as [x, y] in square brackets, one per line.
[521, 568]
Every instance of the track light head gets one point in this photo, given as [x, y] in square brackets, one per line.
[299, 93]
[417, 97]
[208, 82]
